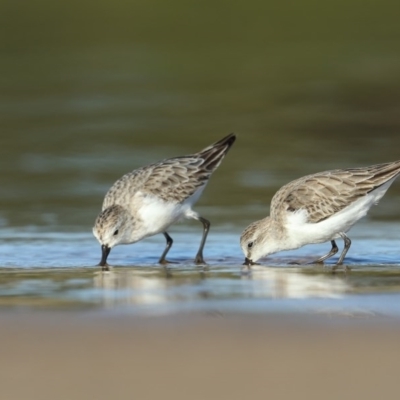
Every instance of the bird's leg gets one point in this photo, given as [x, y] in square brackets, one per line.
[347, 244]
[332, 252]
[162, 259]
[206, 227]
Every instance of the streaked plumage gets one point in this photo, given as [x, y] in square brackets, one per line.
[148, 200]
[318, 208]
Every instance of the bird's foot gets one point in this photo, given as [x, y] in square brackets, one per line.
[315, 262]
[199, 260]
[344, 267]
[166, 262]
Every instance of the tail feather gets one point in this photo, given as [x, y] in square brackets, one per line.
[214, 154]
[383, 173]
[388, 169]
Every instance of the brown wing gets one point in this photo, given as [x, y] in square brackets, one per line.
[175, 178]
[179, 178]
[326, 193]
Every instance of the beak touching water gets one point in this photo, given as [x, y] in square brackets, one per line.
[105, 251]
[248, 262]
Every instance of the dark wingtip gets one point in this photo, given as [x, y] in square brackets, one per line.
[227, 140]
[214, 154]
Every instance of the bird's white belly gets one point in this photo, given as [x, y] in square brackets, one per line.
[157, 215]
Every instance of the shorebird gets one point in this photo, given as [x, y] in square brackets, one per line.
[318, 208]
[148, 200]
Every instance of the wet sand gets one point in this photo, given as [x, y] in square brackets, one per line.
[205, 356]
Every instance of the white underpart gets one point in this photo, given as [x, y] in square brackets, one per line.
[157, 215]
[300, 232]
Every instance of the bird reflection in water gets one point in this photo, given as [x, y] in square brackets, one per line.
[292, 283]
[121, 287]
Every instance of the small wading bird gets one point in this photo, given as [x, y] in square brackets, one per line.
[148, 200]
[318, 208]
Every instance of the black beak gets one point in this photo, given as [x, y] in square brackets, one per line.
[105, 251]
[248, 262]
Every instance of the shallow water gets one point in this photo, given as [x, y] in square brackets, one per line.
[46, 270]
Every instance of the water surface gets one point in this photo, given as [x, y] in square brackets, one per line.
[46, 270]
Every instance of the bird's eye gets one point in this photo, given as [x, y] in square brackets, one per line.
[116, 232]
[250, 245]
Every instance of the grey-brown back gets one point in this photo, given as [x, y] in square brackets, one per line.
[174, 179]
[326, 193]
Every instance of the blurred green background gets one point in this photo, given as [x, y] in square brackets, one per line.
[90, 90]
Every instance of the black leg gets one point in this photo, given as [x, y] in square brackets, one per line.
[347, 244]
[162, 259]
[206, 227]
[332, 252]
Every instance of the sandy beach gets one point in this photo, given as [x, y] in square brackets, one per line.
[204, 356]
